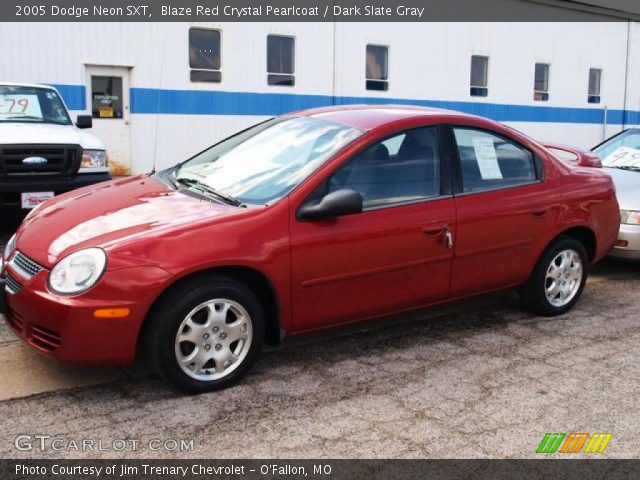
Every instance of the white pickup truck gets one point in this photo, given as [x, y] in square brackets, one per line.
[42, 152]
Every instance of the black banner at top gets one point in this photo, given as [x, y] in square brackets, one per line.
[318, 10]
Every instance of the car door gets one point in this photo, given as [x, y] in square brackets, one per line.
[505, 207]
[394, 255]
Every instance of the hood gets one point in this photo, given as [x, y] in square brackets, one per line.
[20, 133]
[110, 214]
[627, 188]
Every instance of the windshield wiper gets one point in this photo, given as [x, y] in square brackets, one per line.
[625, 167]
[192, 182]
[23, 117]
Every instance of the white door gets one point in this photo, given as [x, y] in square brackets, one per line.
[108, 102]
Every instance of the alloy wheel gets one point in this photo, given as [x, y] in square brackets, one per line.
[563, 278]
[213, 339]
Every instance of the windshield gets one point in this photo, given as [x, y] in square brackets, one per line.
[31, 105]
[621, 151]
[267, 161]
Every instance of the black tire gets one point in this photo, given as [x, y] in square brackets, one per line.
[533, 293]
[171, 310]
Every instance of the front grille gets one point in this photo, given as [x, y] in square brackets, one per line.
[44, 338]
[61, 160]
[11, 285]
[25, 266]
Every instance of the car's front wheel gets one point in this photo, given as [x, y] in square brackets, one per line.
[558, 278]
[205, 334]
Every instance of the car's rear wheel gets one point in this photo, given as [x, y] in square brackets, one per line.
[558, 278]
[205, 334]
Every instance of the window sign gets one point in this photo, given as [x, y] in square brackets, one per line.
[17, 105]
[485, 152]
[106, 97]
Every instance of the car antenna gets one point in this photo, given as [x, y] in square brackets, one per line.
[159, 91]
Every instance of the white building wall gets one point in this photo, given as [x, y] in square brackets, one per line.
[428, 61]
[431, 61]
[244, 67]
[633, 74]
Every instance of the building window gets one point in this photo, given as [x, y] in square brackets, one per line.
[377, 71]
[106, 97]
[479, 76]
[204, 55]
[541, 82]
[595, 78]
[280, 60]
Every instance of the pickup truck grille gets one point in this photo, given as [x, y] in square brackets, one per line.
[61, 160]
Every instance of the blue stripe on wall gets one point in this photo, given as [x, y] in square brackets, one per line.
[206, 102]
[75, 96]
[199, 102]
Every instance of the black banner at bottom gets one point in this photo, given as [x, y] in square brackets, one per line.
[318, 469]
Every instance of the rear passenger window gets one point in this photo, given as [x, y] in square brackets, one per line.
[490, 161]
[401, 168]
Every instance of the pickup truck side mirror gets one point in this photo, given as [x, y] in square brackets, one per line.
[332, 205]
[84, 121]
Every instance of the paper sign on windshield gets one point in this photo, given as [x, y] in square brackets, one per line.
[623, 157]
[487, 158]
[20, 106]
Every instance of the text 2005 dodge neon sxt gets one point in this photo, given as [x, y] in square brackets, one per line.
[303, 222]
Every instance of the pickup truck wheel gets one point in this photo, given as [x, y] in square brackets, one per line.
[558, 278]
[205, 334]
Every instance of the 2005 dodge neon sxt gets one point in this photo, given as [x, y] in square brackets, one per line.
[305, 221]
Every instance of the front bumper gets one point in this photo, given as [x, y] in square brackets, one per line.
[10, 190]
[65, 327]
[631, 235]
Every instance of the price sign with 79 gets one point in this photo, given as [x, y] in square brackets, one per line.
[13, 105]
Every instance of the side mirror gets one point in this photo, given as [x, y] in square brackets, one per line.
[332, 205]
[84, 121]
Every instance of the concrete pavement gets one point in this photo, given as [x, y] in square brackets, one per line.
[478, 379]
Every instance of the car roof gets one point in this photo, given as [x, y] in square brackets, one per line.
[369, 117]
[20, 84]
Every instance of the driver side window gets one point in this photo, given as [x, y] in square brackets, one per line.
[402, 168]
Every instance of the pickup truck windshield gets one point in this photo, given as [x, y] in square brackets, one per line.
[267, 161]
[31, 105]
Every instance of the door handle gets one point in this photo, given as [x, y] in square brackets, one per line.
[435, 231]
[448, 237]
[540, 212]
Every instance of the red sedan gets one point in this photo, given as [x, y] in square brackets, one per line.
[307, 221]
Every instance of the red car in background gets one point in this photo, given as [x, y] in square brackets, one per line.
[306, 221]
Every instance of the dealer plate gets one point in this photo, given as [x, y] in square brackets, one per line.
[31, 200]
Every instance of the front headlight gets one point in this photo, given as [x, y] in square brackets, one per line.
[9, 247]
[630, 217]
[8, 250]
[77, 272]
[94, 159]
